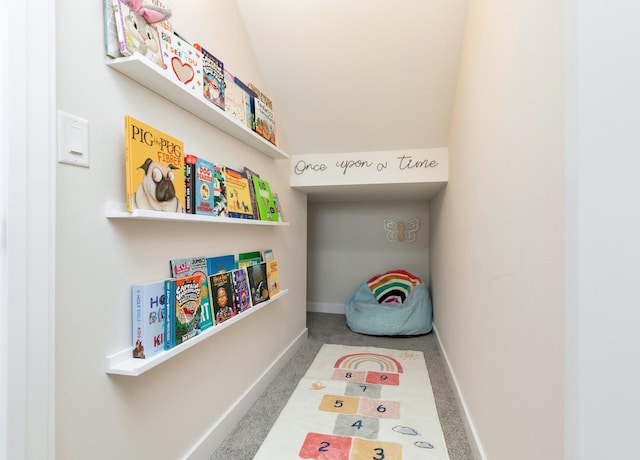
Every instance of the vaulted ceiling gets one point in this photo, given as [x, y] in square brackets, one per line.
[358, 75]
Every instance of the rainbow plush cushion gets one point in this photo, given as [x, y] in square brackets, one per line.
[393, 286]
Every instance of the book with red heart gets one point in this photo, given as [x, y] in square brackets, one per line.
[182, 61]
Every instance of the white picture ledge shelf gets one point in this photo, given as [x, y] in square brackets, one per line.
[119, 211]
[123, 363]
[151, 76]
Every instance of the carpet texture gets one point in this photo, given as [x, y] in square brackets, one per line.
[245, 441]
[359, 403]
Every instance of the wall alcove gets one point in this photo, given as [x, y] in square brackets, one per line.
[350, 195]
[416, 174]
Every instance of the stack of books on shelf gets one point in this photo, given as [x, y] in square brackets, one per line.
[161, 177]
[143, 28]
[199, 293]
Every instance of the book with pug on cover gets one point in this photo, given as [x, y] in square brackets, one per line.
[154, 168]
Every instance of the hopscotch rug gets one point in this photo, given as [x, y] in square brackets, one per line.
[357, 403]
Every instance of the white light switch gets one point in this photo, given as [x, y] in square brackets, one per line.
[73, 140]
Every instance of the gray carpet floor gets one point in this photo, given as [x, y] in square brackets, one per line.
[245, 440]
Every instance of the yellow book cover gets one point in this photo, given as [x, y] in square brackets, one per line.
[273, 277]
[238, 195]
[154, 168]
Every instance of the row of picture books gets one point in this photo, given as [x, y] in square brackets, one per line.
[161, 177]
[143, 28]
[199, 293]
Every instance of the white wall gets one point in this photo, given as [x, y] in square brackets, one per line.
[165, 412]
[497, 231]
[603, 254]
[347, 245]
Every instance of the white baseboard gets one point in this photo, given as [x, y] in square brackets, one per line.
[206, 445]
[470, 428]
[319, 307]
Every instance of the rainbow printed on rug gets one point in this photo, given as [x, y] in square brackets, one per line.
[357, 403]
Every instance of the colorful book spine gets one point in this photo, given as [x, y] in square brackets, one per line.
[189, 183]
[219, 192]
[170, 313]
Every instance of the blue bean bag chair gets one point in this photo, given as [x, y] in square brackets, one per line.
[410, 314]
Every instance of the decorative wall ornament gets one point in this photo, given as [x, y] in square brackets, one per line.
[402, 231]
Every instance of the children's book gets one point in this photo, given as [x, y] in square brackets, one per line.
[276, 201]
[258, 283]
[217, 264]
[235, 100]
[196, 266]
[222, 296]
[148, 311]
[254, 204]
[250, 107]
[213, 84]
[182, 62]
[184, 299]
[260, 95]
[266, 206]
[273, 277]
[111, 40]
[219, 192]
[154, 168]
[136, 34]
[189, 183]
[267, 254]
[204, 188]
[241, 290]
[248, 258]
[264, 121]
[238, 196]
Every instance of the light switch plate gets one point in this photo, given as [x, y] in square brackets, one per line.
[73, 140]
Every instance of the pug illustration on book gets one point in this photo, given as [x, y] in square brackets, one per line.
[154, 168]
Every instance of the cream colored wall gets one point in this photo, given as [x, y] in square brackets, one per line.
[164, 412]
[497, 230]
[347, 245]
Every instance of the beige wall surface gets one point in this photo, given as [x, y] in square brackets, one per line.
[347, 245]
[497, 261]
[164, 412]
